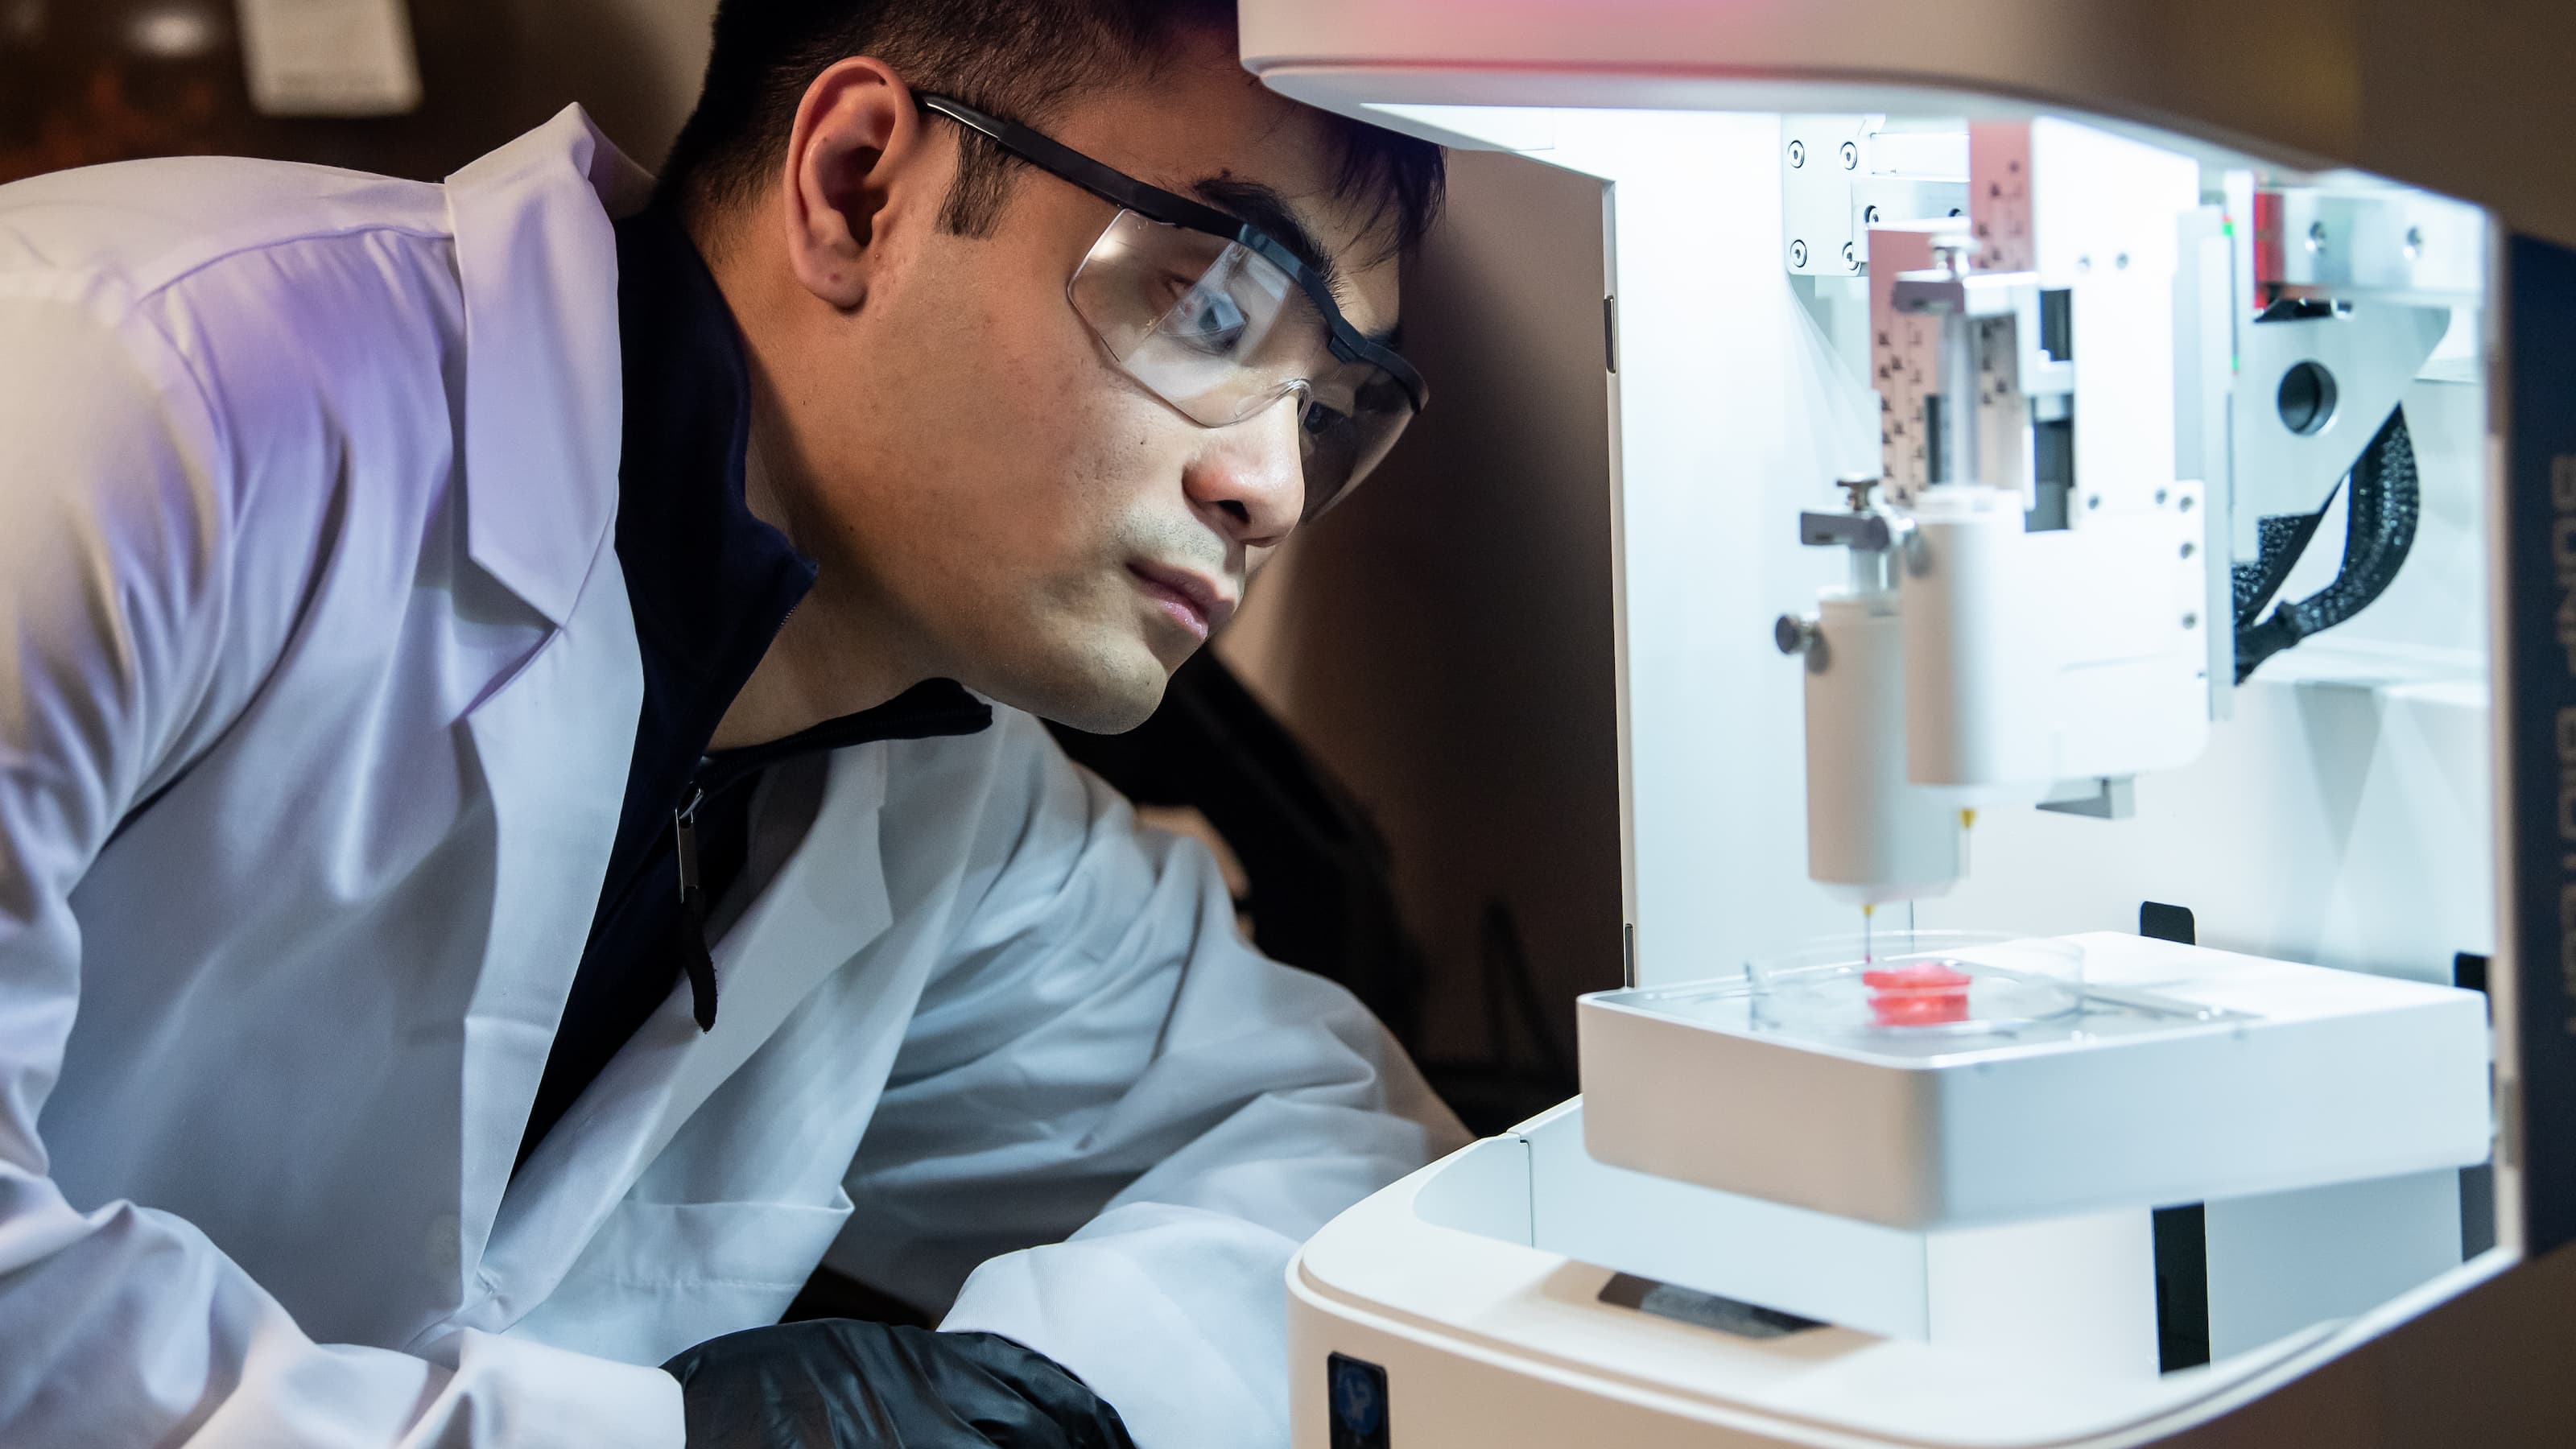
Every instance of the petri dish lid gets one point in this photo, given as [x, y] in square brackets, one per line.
[1917, 983]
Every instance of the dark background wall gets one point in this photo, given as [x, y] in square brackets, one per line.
[1444, 639]
[84, 81]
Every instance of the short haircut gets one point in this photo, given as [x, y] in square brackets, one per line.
[1020, 59]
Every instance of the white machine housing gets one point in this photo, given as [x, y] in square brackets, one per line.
[2337, 815]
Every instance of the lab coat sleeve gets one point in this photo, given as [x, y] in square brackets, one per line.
[1115, 1121]
[121, 545]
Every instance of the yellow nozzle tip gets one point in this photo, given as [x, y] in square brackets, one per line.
[1967, 820]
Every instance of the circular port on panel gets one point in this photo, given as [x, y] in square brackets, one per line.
[2307, 398]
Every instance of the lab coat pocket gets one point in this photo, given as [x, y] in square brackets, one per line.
[660, 1277]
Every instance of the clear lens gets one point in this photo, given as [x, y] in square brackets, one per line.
[1219, 332]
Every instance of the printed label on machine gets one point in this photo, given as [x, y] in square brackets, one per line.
[2540, 552]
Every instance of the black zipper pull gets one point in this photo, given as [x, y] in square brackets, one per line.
[684, 835]
[695, 959]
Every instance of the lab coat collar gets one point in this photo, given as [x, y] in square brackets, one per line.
[537, 261]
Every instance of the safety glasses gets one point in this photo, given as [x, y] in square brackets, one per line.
[1217, 318]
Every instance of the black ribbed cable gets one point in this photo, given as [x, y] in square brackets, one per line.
[2383, 502]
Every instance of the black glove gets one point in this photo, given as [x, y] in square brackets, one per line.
[840, 1383]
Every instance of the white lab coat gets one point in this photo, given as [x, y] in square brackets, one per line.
[317, 688]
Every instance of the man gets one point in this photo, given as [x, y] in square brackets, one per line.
[522, 826]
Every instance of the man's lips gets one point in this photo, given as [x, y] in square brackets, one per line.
[1193, 601]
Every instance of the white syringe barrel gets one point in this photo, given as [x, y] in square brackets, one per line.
[1871, 835]
[1978, 718]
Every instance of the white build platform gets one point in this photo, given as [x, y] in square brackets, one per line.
[2190, 1074]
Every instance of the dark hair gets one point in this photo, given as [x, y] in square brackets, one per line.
[1020, 59]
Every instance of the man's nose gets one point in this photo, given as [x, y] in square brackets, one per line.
[1250, 478]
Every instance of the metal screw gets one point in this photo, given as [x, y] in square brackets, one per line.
[2187, 501]
[2414, 242]
[1797, 254]
[2121, 262]
[1850, 258]
[1869, 214]
[2188, 549]
[2083, 264]
[2316, 236]
[2191, 621]
[1797, 153]
[2092, 500]
[2160, 498]
[1851, 156]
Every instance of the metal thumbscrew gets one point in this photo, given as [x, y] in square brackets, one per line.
[1797, 153]
[1850, 257]
[1869, 214]
[1851, 156]
[1797, 636]
[1797, 254]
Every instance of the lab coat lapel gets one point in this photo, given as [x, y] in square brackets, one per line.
[553, 745]
[537, 255]
[827, 902]
[536, 258]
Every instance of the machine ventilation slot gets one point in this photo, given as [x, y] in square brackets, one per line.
[2181, 1233]
[2057, 324]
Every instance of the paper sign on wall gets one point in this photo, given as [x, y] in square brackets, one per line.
[329, 57]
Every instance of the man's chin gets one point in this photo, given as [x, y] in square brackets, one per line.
[1108, 701]
[1106, 716]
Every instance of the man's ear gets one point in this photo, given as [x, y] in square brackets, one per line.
[859, 163]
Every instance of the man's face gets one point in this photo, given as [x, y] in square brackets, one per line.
[976, 470]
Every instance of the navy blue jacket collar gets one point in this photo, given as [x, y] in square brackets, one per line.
[709, 581]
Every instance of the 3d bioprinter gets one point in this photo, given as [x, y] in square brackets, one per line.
[2102, 475]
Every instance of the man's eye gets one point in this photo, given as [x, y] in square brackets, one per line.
[1209, 321]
